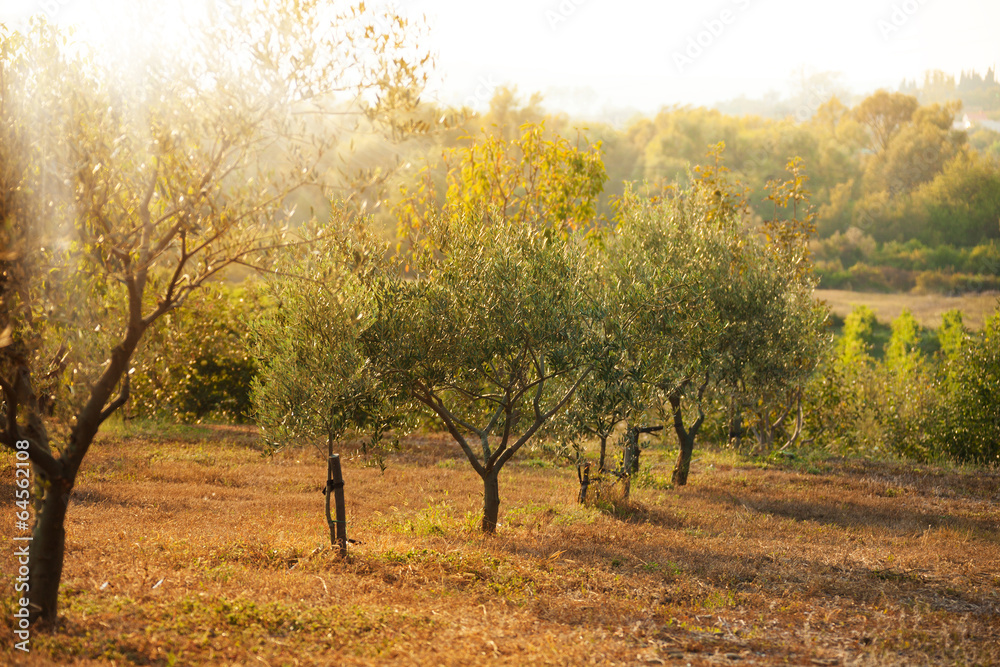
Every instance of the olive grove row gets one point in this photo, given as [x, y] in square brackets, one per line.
[508, 313]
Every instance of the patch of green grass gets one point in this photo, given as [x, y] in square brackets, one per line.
[538, 463]
[532, 516]
[434, 519]
[719, 599]
[648, 479]
[155, 430]
[721, 457]
[576, 515]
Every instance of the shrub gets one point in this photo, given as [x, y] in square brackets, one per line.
[970, 415]
[984, 260]
[860, 405]
[935, 282]
[912, 404]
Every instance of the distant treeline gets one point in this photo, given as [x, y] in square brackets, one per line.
[895, 183]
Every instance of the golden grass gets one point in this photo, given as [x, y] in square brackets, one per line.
[926, 308]
[198, 551]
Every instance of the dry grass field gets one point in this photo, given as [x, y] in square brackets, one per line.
[926, 308]
[189, 548]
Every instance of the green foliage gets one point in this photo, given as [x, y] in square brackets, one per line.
[910, 398]
[140, 199]
[879, 167]
[882, 114]
[854, 346]
[854, 260]
[909, 404]
[903, 354]
[971, 413]
[711, 304]
[951, 335]
[491, 338]
[197, 366]
[846, 400]
[314, 383]
[960, 204]
[499, 313]
[915, 153]
[790, 236]
[147, 175]
[890, 167]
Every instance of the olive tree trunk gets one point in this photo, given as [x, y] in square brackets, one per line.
[685, 437]
[491, 500]
[683, 465]
[48, 546]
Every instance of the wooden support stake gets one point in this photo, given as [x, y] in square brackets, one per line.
[335, 488]
[584, 476]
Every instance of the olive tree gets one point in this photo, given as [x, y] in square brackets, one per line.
[313, 381]
[668, 258]
[608, 397]
[779, 354]
[493, 339]
[483, 322]
[144, 179]
[611, 393]
[717, 306]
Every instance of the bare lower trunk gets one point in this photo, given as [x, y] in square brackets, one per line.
[604, 449]
[735, 425]
[48, 544]
[583, 474]
[630, 459]
[683, 465]
[491, 501]
[685, 439]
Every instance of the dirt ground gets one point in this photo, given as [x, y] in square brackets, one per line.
[189, 547]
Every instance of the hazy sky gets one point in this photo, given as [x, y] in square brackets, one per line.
[641, 54]
[647, 54]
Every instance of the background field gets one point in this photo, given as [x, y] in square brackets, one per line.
[926, 308]
[190, 548]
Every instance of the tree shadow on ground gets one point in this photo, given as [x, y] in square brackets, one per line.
[695, 574]
[898, 521]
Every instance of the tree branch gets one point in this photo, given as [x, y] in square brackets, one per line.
[118, 402]
[503, 457]
[36, 453]
[435, 404]
[48, 464]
